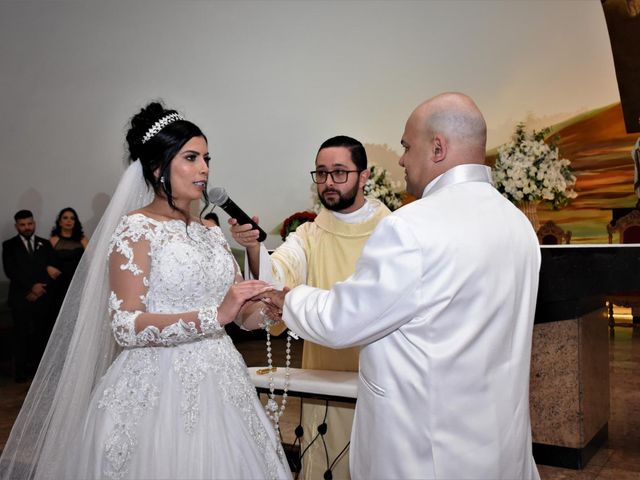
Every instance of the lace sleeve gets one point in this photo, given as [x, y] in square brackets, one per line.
[129, 267]
[129, 264]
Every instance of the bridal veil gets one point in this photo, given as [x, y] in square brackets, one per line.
[79, 352]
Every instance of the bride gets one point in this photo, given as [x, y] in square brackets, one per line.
[140, 379]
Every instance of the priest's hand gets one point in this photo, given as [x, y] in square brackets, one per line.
[244, 234]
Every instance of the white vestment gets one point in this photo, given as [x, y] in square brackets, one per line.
[442, 302]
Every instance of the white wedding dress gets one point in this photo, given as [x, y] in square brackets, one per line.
[174, 405]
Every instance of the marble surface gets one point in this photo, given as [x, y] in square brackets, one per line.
[554, 399]
[569, 387]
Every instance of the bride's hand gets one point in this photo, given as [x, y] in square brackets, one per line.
[237, 296]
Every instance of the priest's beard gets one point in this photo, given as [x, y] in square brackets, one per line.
[345, 200]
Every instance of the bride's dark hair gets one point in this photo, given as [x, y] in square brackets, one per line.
[157, 153]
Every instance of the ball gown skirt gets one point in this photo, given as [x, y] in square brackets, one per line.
[183, 412]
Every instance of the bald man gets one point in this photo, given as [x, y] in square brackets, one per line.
[442, 303]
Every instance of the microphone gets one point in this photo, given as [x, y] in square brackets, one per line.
[219, 196]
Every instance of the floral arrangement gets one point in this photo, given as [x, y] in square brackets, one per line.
[529, 170]
[291, 223]
[381, 187]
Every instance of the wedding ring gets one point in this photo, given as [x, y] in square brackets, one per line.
[264, 371]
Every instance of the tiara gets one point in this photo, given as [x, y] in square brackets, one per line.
[159, 125]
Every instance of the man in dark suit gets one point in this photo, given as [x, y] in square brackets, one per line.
[28, 262]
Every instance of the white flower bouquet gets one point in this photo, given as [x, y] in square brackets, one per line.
[384, 189]
[529, 170]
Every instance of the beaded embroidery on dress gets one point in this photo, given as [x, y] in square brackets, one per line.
[174, 403]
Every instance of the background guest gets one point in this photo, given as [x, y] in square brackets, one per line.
[68, 241]
[28, 263]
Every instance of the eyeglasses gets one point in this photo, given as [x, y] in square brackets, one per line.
[338, 176]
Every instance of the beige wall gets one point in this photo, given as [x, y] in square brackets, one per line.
[268, 81]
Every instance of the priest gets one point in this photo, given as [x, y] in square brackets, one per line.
[321, 253]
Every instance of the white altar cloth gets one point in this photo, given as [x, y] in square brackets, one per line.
[313, 382]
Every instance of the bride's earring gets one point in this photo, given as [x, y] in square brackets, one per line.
[163, 182]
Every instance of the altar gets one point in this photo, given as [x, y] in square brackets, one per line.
[569, 381]
[304, 383]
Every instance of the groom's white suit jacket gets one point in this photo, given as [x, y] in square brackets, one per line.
[442, 301]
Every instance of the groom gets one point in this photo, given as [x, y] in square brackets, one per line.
[442, 302]
[28, 263]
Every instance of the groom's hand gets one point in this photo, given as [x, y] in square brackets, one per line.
[273, 301]
[273, 312]
[274, 298]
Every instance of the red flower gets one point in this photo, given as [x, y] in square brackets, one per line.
[291, 223]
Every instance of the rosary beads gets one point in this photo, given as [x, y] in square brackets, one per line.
[274, 412]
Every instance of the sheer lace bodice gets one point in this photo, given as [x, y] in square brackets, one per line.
[165, 267]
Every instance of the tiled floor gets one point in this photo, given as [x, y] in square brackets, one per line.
[618, 460]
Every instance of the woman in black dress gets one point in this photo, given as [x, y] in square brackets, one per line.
[68, 241]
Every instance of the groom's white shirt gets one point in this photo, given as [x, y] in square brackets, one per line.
[442, 301]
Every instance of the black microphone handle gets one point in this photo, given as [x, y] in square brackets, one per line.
[234, 211]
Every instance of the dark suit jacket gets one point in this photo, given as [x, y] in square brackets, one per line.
[22, 269]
